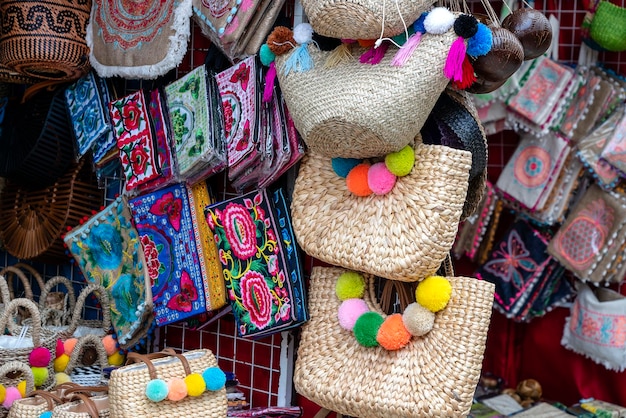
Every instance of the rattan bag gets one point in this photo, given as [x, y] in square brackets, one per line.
[433, 375]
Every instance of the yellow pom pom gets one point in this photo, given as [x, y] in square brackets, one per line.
[60, 363]
[62, 378]
[3, 393]
[433, 293]
[40, 375]
[195, 384]
[350, 285]
[21, 387]
[117, 359]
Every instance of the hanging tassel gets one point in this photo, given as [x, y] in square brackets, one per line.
[404, 53]
[270, 79]
[374, 55]
[299, 61]
[468, 78]
[453, 69]
[341, 54]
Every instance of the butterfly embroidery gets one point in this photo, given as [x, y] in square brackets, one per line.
[511, 257]
[169, 206]
[188, 294]
[241, 75]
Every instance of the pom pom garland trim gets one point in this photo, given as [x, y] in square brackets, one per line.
[158, 390]
[392, 332]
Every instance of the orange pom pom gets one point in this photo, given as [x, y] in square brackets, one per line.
[110, 345]
[69, 345]
[356, 180]
[392, 334]
[281, 40]
[177, 389]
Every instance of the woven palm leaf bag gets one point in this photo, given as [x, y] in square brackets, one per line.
[434, 375]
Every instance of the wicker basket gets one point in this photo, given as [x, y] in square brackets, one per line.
[45, 39]
[57, 307]
[11, 374]
[31, 222]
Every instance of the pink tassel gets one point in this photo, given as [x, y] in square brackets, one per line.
[453, 69]
[404, 53]
[270, 79]
[374, 55]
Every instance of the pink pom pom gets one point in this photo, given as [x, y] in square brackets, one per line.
[349, 311]
[380, 179]
[60, 350]
[110, 345]
[69, 345]
[177, 389]
[39, 357]
[12, 395]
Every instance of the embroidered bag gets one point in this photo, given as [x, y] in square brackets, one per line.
[596, 327]
[614, 151]
[383, 383]
[258, 254]
[183, 267]
[198, 151]
[138, 41]
[135, 139]
[108, 251]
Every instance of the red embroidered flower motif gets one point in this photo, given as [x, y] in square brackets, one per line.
[240, 231]
[228, 117]
[241, 75]
[131, 116]
[169, 206]
[183, 301]
[256, 298]
[152, 258]
[139, 159]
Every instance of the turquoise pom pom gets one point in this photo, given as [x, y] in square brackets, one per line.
[214, 378]
[418, 25]
[47, 414]
[266, 55]
[156, 390]
[480, 43]
[342, 166]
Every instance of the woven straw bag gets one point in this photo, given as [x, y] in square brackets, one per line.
[51, 47]
[434, 375]
[85, 407]
[357, 110]
[78, 368]
[57, 307]
[11, 374]
[127, 386]
[362, 19]
[79, 327]
[608, 27]
[402, 235]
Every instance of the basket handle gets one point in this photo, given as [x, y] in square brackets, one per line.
[103, 296]
[84, 342]
[147, 359]
[18, 366]
[33, 272]
[5, 295]
[49, 397]
[9, 311]
[89, 404]
[58, 280]
[14, 270]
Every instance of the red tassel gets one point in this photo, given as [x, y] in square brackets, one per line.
[453, 69]
[374, 55]
[468, 78]
[270, 79]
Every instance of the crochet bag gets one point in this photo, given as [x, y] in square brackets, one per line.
[433, 375]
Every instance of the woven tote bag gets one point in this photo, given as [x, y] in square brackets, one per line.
[56, 307]
[357, 110]
[363, 19]
[433, 375]
[127, 387]
[402, 235]
[11, 374]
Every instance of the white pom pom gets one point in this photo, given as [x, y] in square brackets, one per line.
[439, 20]
[303, 33]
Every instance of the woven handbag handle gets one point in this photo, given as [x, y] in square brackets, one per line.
[17, 366]
[147, 360]
[323, 413]
[5, 295]
[77, 315]
[11, 308]
[25, 282]
[49, 397]
[77, 353]
[58, 280]
[67, 394]
[33, 272]
[448, 268]
[90, 405]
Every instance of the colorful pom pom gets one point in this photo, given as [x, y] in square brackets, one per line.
[61, 378]
[366, 328]
[356, 180]
[433, 293]
[195, 384]
[439, 21]
[116, 359]
[303, 33]
[47, 414]
[379, 179]
[281, 41]
[400, 163]
[349, 311]
[342, 166]
[110, 345]
[480, 43]
[392, 334]
[60, 348]
[418, 25]
[417, 319]
[3, 393]
[214, 378]
[465, 26]
[11, 395]
[21, 387]
[40, 375]
[266, 55]
[60, 363]
[69, 345]
[157, 390]
[39, 357]
[176, 389]
[350, 284]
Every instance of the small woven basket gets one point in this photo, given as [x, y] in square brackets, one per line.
[82, 371]
[608, 27]
[57, 307]
[11, 374]
[45, 40]
[90, 326]
[433, 375]
[84, 407]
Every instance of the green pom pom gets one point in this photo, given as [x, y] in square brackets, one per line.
[401, 163]
[214, 378]
[366, 328]
[40, 375]
[156, 390]
[266, 55]
[350, 285]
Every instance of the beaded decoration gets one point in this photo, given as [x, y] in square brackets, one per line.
[395, 331]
